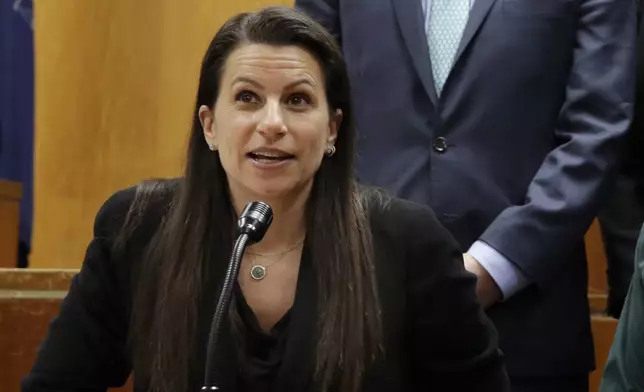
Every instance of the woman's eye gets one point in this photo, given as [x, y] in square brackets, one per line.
[299, 99]
[247, 97]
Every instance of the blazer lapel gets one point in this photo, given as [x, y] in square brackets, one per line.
[409, 14]
[298, 362]
[480, 10]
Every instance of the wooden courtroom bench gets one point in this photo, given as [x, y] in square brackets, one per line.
[29, 299]
[10, 195]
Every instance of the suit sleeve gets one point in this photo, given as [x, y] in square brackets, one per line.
[454, 344]
[85, 347]
[325, 12]
[563, 197]
[625, 366]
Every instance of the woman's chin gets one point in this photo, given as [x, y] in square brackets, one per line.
[268, 188]
[270, 193]
[279, 189]
[276, 190]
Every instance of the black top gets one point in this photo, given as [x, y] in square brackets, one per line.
[435, 335]
[263, 352]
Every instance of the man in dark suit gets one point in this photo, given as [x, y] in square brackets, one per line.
[504, 116]
[622, 214]
[623, 371]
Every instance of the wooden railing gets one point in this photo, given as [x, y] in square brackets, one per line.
[10, 194]
[29, 300]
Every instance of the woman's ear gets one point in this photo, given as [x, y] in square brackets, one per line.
[334, 125]
[206, 117]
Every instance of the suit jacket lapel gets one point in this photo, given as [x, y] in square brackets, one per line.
[480, 10]
[298, 362]
[411, 23]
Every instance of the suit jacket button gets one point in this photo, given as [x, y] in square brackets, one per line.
[440, 144]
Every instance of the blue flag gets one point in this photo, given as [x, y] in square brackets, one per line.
[17, 108]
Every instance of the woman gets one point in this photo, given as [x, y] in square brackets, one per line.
[359, 292]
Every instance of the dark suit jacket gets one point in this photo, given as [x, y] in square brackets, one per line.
[436, 336]
[634, 159]
[515, 151]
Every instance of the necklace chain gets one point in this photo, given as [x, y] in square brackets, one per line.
[258, 271]
[280, 253]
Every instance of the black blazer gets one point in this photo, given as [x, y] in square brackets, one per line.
[437, 338]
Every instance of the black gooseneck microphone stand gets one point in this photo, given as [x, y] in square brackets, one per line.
[253, 223]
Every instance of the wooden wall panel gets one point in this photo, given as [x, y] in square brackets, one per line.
[115, 81]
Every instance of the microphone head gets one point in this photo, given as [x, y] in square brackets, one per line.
[255, 220]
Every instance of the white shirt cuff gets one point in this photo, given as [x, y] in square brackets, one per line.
[506, 275]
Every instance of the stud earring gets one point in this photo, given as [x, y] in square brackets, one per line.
[211, 146]
[330, 151]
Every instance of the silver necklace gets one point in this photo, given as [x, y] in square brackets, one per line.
[258, 271]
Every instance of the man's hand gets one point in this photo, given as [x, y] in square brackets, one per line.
[486, 288]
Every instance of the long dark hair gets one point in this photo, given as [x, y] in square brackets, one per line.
[201, 218]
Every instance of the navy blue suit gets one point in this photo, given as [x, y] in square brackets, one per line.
[514, 153]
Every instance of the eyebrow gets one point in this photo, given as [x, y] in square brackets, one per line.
[242, 79]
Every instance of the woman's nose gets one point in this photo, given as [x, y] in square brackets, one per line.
[272, 122]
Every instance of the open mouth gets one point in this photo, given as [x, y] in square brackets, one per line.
[269, 157]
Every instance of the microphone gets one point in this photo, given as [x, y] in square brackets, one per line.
[253, 223]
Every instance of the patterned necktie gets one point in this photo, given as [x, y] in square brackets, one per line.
[447, 20]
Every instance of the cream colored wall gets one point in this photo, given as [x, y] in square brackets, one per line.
[115, 83]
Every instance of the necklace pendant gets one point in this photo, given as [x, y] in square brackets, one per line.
[258, 272]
